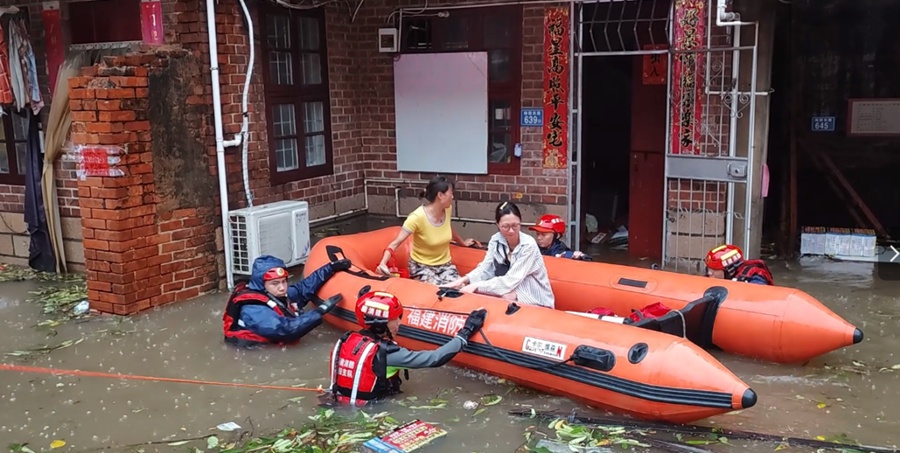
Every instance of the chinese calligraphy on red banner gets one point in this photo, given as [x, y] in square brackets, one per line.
[655, 66]
[53, 39]
[688, 76]
[556, 88]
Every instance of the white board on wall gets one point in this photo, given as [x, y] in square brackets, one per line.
[441, 104]
[874, 117]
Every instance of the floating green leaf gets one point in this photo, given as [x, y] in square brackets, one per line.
[328, 432]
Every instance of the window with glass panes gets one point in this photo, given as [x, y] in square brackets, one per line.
[296, 92]
[497, 31]
[13, 148]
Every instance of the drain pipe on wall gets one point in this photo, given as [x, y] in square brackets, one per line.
[245, 124]
[221, 144]
[724, 18]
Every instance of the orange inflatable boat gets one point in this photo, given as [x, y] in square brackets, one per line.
[648, 374]
[774, 323]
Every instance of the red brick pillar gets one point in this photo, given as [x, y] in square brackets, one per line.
[130, 230]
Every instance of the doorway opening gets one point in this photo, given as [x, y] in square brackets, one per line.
[623, 126]
[606, 144]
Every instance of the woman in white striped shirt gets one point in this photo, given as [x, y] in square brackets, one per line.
[513, 267]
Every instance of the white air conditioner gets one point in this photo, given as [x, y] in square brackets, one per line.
[279, 229]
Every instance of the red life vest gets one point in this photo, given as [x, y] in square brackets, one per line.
[751, 268]
[359, 369]
[237, 334]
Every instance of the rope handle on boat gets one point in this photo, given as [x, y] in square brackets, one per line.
[496, 350]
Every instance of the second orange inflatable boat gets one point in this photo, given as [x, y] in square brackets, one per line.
[651, 375]
[774, 323]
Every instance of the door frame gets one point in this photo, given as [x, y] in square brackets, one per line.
[574, 169]
[727, 167]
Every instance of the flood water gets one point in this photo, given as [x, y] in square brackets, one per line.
[843, 392]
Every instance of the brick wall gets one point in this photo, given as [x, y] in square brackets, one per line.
[150, 233]
[543, 190]
[186, 25]
[12, 197]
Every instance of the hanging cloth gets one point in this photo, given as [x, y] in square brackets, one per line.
[6, 95]
[17, 79]
[40, 256]
[29, 67]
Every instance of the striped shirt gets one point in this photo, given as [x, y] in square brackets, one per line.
[527, 275]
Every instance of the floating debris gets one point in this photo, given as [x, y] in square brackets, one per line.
[328, 433]
[64, 296]
[30, 353]
[10, 273]
[582, 438]
[228, 427]
[60, 300]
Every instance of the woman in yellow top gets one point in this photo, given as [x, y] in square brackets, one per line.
[429, 259]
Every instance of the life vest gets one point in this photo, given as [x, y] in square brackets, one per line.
[359, 371]
[232, 326]
[556, 248]
[753, 268]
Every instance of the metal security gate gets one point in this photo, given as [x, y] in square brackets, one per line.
[711, 133]
[607, 28]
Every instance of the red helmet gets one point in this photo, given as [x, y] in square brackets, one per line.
[725, 258]
[274, 274]
[376, 307]
[550, 223]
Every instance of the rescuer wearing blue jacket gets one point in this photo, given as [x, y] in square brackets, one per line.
[269, 311]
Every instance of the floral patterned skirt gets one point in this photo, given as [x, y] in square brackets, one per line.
[436, 275]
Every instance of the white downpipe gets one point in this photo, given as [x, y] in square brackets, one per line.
[572, 218]
[732, 132]
[751, 147]
[670, 81]
[220, 142]
[725, 18]
[245, 123]
[728, 19]
[579, 133]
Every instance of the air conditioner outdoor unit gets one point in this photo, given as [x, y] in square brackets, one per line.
[279, 229]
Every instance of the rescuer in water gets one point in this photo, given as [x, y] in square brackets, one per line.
[269, 311]
[365, 365]
[727, 262]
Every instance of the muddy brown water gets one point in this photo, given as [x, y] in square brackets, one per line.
[828, 396]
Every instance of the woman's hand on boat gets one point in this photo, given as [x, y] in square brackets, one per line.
[470, 288]
[470, 242]
[383, 269]
[456, 284]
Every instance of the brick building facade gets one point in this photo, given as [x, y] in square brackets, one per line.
[154, 235]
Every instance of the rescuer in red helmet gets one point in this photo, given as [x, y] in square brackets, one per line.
[365, 365]
[550, 228]
[727, 261]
